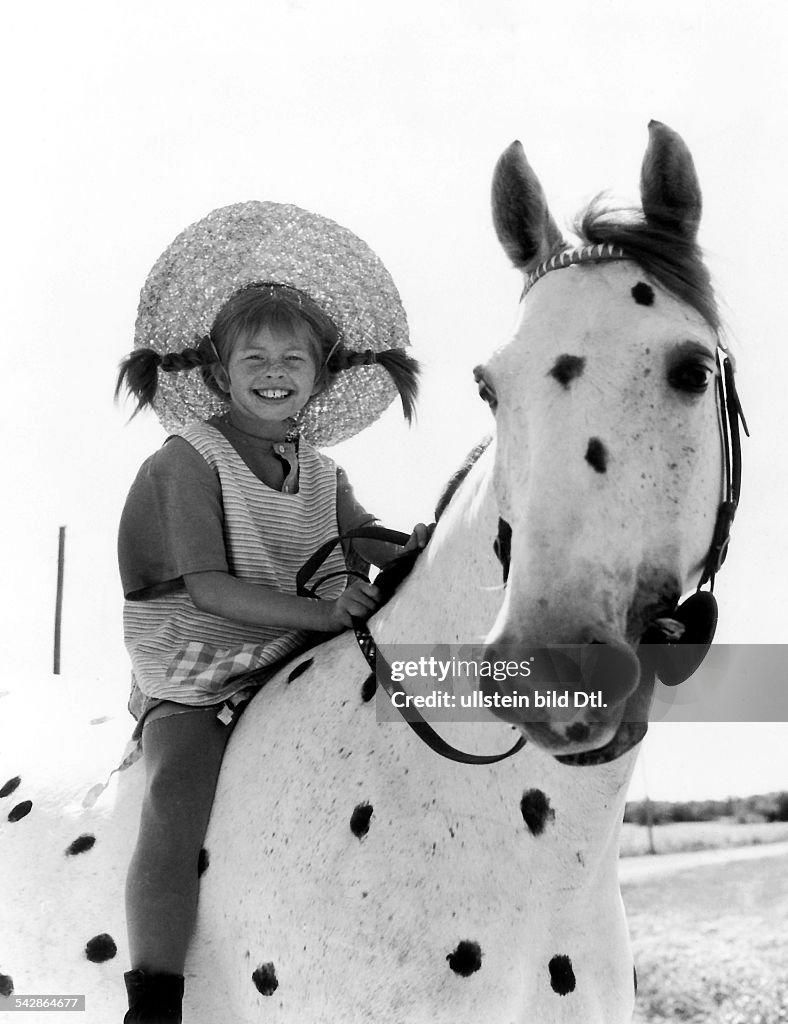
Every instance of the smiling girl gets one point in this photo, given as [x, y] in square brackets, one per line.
[263, 331]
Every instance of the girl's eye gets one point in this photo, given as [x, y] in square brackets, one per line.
[691, 376]
[486, 391]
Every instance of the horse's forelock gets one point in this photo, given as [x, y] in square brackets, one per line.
[672, 260]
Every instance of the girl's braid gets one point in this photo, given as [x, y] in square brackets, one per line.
[139, 370]
[345, 358]
[403, 369]
[174, 362]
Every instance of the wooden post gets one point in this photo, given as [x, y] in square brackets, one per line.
[61, 558]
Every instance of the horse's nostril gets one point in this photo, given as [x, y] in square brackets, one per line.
[613, 670]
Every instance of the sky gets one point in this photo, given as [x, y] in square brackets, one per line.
[124, 122]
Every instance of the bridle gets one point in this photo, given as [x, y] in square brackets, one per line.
[676, 654]
[672, 658]
[728, 407]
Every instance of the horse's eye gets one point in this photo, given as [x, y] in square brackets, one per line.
[487, 394]
[486, 391]
[691, 375]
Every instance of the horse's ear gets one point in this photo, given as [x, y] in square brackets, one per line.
[669, 188]
[522, 221]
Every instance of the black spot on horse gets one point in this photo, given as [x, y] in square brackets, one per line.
[265, 979]
[302, 667]
[203, 860]
[10, 786]
[20, 811]
[635, 978]
[100, 948]
[359, 820]
[567, 368]
[466, 958]
[368, 688]
[81, 844]
[562, 977]
[6, 984]
[596, 455]
[643, 294]
[536, 811]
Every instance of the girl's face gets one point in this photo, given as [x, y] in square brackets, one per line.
[270, 376]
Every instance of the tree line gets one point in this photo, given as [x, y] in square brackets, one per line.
[766, 807]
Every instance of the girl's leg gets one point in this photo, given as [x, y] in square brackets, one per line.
[183, 753]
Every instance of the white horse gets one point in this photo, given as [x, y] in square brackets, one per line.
[350, 873]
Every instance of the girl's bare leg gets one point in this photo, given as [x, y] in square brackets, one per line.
[183, 753]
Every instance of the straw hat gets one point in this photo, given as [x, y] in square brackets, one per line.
[263, 242]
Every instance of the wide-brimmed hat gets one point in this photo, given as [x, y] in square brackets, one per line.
[263, 242]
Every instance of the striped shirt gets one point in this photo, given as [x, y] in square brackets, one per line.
[181, 653]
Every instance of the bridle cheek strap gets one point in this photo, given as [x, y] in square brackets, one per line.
[731, 413]
[674, 661]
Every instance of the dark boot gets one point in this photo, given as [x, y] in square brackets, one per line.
[153, 998]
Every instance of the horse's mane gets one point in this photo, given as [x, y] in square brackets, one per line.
[458, 477]
[392, 575]
[675, 261]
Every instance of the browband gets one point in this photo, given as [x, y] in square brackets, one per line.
[569, 257]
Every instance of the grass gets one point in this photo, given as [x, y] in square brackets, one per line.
[711, 944]
[686, 837]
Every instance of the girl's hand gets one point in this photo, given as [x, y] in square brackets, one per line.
[359, 601]
[380, 552]
[419, 537]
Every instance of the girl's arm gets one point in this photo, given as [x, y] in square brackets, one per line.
[351, 514]
[219, 593]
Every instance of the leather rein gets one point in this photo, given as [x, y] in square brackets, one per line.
[388, 579]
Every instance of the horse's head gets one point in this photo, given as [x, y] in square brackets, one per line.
[608, 461]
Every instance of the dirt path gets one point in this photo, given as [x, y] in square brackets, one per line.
[637, 869]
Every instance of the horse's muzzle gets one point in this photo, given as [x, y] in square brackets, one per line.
[574, 699]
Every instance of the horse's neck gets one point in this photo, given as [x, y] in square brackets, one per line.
[455, 589]
[452, 597]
